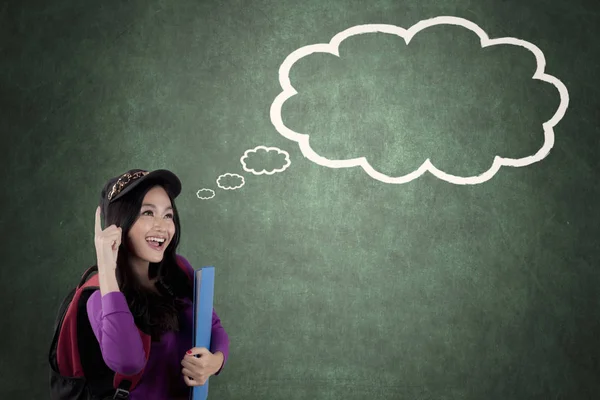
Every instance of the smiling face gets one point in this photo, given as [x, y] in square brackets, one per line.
[154, 228]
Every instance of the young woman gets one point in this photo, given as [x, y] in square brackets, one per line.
[141, 286]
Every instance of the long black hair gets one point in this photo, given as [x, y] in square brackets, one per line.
[154, 314]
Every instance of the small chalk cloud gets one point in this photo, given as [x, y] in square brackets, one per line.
[259, 154]
[205, 194]
[230, 181]
[427, 166]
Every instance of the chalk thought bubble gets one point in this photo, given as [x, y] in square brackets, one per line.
[205, 194]
[427, 166]
[230, 181]
[260, 153]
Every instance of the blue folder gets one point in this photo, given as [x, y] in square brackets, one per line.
[204, 286]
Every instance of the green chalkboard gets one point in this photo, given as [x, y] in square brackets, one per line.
[397, 205]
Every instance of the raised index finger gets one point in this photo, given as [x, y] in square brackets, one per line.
[98, 227]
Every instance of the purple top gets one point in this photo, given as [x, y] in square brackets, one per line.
[123, 352]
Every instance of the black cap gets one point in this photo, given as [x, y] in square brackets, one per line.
[120, 185]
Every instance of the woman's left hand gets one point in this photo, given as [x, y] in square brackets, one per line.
[199, 364]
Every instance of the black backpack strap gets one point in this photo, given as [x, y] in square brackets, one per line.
[122, 392]
[86, 275]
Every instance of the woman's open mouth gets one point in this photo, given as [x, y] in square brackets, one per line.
[156, 243]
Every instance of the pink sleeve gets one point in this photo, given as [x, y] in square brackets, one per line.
[117, 334]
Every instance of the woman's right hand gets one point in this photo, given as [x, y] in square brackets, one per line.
[107, 243]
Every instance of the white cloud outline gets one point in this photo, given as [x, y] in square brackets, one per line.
[333, 48]
[264, 171]
[230, 187]
[205, 190]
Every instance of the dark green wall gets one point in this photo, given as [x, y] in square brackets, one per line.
[331, 284]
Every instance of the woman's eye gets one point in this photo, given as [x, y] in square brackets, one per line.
[150, 213]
